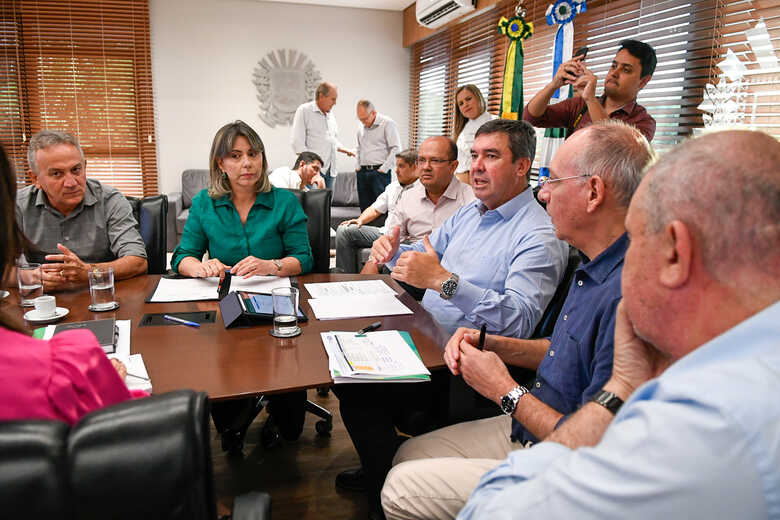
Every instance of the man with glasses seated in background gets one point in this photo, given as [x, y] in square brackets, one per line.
[593, 176]
[77, 224]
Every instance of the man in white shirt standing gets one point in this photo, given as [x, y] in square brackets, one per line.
[315, 130]
[353, 234]
[305, 173]
[378, 142]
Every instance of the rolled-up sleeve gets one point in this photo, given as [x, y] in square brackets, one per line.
[393, 139]
[556, 115]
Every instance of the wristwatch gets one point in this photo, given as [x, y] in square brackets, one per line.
[449, 286]
[510, 400]
[608, 400]
[278, 264]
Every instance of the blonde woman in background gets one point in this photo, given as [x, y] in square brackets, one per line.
[470, 113]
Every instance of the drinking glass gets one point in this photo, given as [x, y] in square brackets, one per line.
[30, 283]
[101, 289]
[285, 303]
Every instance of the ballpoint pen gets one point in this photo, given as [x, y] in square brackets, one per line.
[481, 344]
[179, 320]
[370, 328]
[138, 377]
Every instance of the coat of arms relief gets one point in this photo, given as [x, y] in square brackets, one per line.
[284, 78]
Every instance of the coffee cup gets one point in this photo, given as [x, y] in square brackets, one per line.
[45, 306]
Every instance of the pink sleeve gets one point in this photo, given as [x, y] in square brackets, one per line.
[82, 377]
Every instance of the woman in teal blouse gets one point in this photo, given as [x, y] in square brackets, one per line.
[251, 228]
[244, 223]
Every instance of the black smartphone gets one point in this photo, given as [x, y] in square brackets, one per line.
[582, 51]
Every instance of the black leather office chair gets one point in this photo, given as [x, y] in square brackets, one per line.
[151, 213]
[316, 206]
[147, 458]
[467, 404]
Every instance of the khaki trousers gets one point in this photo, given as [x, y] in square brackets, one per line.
[434, 474]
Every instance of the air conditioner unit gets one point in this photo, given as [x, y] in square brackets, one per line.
[434, 13]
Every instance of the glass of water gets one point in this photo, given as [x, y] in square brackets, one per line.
[101, 289]
[30, 283]
[285, 302]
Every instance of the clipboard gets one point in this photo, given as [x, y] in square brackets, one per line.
[240, 312]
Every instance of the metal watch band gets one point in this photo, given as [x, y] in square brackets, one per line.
[449, 286]
[510, 400]
[278, 264]
[608, 400]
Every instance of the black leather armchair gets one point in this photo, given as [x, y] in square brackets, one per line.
[151, 213]
[146, 458]
[316, 206]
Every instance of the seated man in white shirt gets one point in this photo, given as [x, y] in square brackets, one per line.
[353, 234]
[305, 173]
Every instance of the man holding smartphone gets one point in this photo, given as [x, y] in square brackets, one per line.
[630, 71]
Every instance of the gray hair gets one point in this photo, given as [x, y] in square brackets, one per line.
[46, 138]
[618, 153]
[522, 137]
[725, 187]
[219, 184]
[323, 89]
[409, 156]
[368, 105]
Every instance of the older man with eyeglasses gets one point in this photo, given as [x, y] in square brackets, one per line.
[593, 177]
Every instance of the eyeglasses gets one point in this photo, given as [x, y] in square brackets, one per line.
[546, 180]
[434, 161]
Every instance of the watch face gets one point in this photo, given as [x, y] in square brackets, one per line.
[449, 287]
[507, 405]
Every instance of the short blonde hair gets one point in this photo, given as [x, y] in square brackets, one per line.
[219, 184]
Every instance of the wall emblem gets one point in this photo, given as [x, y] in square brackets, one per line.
[284, 79]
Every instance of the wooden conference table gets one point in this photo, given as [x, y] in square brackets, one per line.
[240, 362]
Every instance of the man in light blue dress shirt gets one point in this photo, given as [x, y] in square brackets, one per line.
[696, 358]
[496, 261]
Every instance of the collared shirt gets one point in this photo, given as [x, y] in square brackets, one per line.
[315, 131]
[466, 139]
[700, 441]
[275, 228]
[101, 229]
[387, 201]
[284, 177]
[509, 263]
[579, 360]
[378, 144]
[567, 112]
[417, 215]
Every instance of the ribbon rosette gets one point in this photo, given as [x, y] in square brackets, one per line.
[564, 11]
[515, 28]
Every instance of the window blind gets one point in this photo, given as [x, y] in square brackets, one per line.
[82, 66]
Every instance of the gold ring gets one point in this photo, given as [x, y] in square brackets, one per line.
[62, 273]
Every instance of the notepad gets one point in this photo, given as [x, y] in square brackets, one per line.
[197, 289]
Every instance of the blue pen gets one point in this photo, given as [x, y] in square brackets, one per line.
[179, 320]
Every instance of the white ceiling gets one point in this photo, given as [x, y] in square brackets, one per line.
[391, 5]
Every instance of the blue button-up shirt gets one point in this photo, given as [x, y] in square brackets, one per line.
[509, 263]
[579, 360]
[700, 441]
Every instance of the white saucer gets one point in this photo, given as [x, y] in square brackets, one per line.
[32, 316]
[4, 294]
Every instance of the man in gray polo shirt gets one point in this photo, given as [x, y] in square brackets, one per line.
[76, 224]
[378, 141]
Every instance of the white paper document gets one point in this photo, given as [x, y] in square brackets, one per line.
[353, 288]
[376, 356]
[342, 307]
[137, 376]
[195, 289]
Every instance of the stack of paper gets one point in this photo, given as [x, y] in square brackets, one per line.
[195, 289]
[357, 299]
[382, 356]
